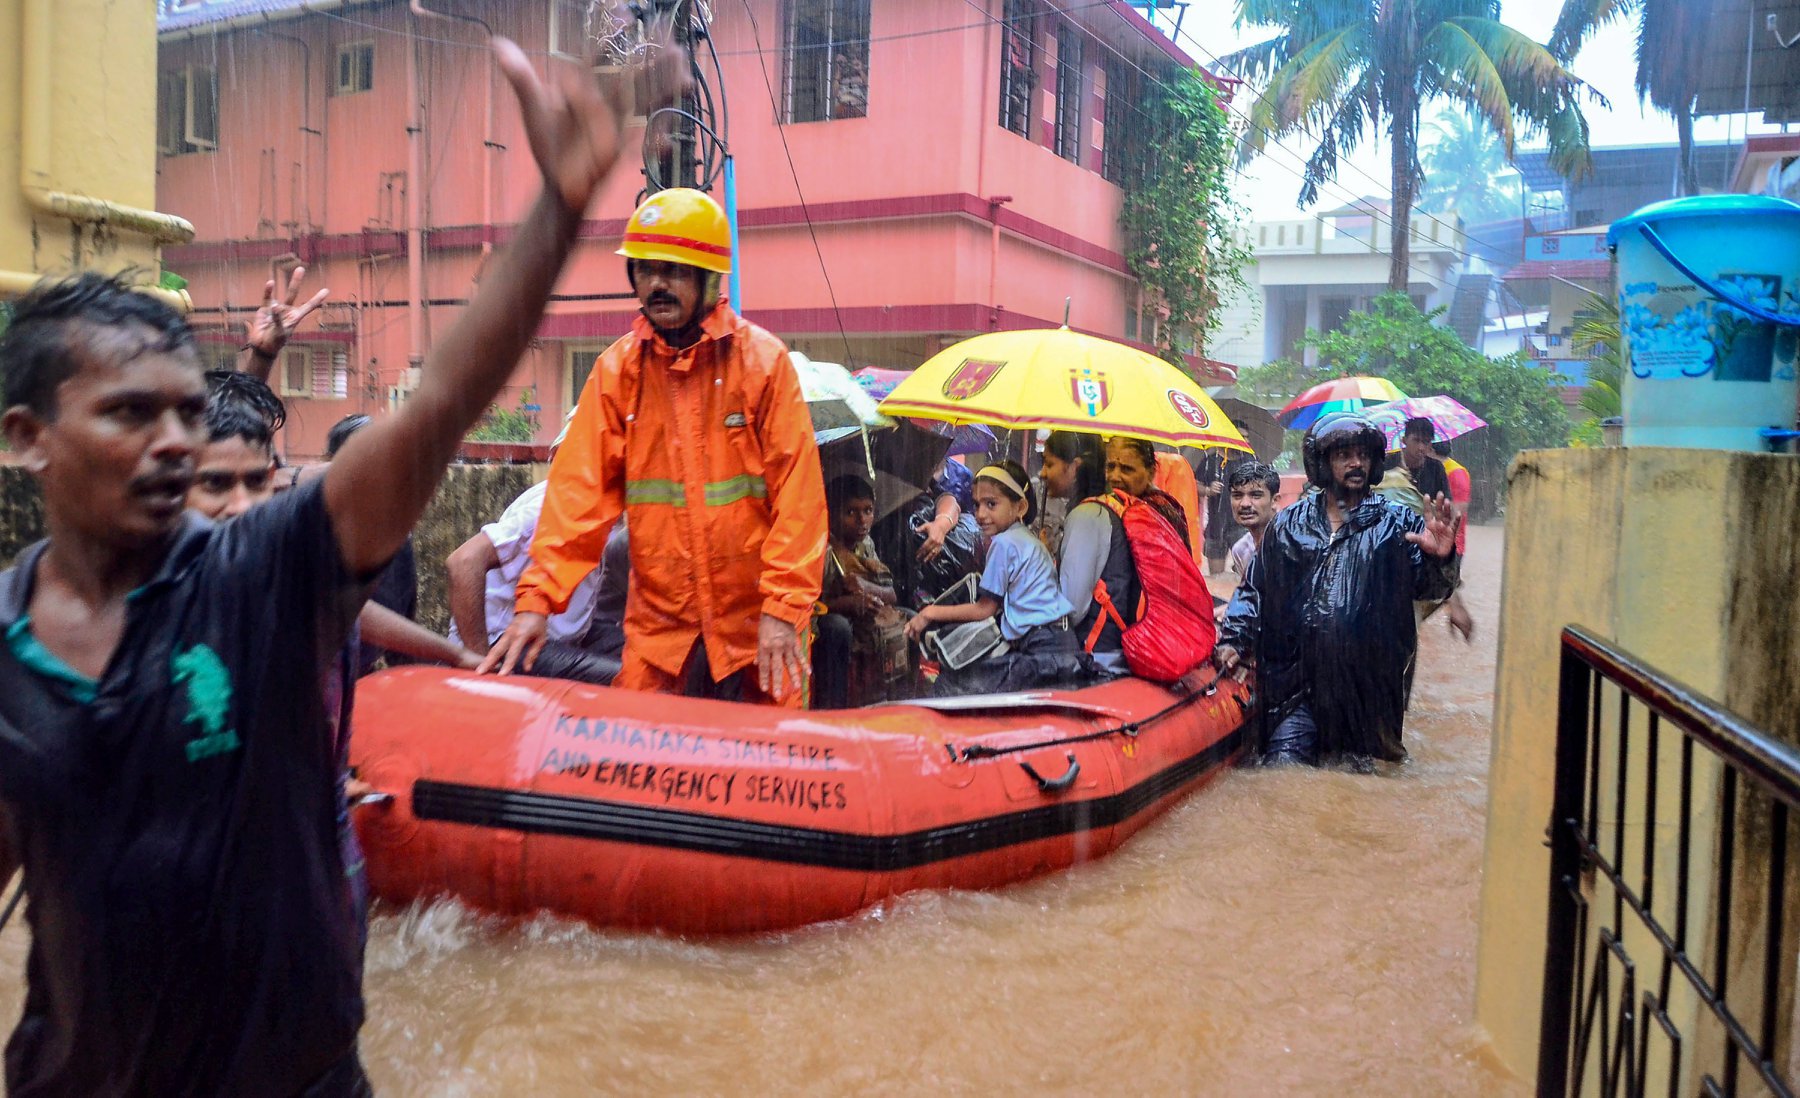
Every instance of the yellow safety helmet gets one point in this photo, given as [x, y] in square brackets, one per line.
[680, 225]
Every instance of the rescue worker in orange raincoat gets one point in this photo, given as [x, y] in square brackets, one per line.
[694, 426]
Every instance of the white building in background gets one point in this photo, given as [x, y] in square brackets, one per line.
[1312, 272]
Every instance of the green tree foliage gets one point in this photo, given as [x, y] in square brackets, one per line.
[1338, 70]
[1466, 172]
[1395, 340]
[1598, 338]
[1181, 222]
[499, 424]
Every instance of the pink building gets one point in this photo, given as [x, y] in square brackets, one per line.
[950, 174]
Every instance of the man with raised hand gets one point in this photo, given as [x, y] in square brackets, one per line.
[167, 778]
[1325, 610]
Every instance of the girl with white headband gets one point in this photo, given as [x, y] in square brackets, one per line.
[1019, 586]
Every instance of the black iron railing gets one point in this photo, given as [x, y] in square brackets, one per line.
[1651, 969]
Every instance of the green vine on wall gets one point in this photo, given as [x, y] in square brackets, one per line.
[1182, 226]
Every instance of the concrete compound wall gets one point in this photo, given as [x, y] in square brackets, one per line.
[1688, 560]
[470, 497]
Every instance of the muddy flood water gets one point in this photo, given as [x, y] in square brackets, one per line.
[1279, 932]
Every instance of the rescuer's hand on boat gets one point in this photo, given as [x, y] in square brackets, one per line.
[575, 124]
[1439, 536]
[780, 665]
[1225, 658]
[519, 645]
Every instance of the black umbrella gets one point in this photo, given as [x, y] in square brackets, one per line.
[905, 459]
[1264, 432]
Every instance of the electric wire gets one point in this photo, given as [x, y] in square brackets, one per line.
[805, 212]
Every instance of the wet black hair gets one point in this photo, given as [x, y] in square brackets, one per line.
[1017, 472]
[342, 430]
[53, 325]
[1419, 425]
[1441, 449]
[1087, 453]
[1254, 472]
[1141, 447]
[843, 489]
[242, 406]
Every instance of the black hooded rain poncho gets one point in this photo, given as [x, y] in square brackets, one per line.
[1328, 620]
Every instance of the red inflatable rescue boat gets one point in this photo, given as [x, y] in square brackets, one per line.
[641, 810]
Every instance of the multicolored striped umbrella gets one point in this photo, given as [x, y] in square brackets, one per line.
[1449, 418]
[1344, 394]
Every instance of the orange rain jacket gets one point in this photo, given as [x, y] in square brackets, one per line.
[710, 453]
[1176, 477]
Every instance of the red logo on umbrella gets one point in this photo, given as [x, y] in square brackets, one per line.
[1189, 409]
[971, 378]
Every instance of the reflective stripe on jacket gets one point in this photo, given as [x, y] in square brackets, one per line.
[710, 452]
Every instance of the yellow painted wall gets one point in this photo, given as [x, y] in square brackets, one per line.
[84, 71]
[1687, 559]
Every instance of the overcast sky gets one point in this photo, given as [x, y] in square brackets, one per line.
[1272, 183]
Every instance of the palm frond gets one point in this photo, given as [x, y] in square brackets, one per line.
[1469, 75]
[1258, 61]
[1581, 18]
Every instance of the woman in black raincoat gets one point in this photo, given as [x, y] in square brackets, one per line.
[1325, 610]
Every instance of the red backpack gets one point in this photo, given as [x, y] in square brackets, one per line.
[1174, 632]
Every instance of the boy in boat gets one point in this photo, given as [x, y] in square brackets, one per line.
[167, 777]
[693, 425]
[862, 636]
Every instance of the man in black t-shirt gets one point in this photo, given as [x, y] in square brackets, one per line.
[167, 778]
[1427, 472]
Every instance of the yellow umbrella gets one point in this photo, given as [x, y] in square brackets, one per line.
[1063, 380]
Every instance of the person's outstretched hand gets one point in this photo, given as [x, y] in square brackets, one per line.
[518, 646]
[574, 123]
[274, 323]
[1439, 536]
[780, 665]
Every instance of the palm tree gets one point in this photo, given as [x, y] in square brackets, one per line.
[1466, 171]
[1671, 35]
[1338, 68]
[1597, 336]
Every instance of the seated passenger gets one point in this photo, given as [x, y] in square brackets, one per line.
[1097, 559]
[1074, 470]
[859, 649]
[586, 639]
[1018, 587]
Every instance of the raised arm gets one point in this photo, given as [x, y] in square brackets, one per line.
[274, 324]
[380, 483]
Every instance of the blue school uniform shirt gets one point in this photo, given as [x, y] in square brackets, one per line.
[1022, 576]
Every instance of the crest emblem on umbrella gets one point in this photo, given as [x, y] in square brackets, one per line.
[1189, 409]
[1090, 390]
[971, 378]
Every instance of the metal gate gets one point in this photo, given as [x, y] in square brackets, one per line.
[1671, 953]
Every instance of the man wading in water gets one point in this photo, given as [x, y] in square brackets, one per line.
[1325, 609]
[166, 770]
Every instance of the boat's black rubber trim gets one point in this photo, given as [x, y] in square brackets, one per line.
[584, 818]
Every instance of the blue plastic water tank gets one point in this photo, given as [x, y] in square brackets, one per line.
[1703, 371]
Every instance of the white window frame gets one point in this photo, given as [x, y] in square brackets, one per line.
[359, 72]
[560, 48]
[591, 350]
[175, 121]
